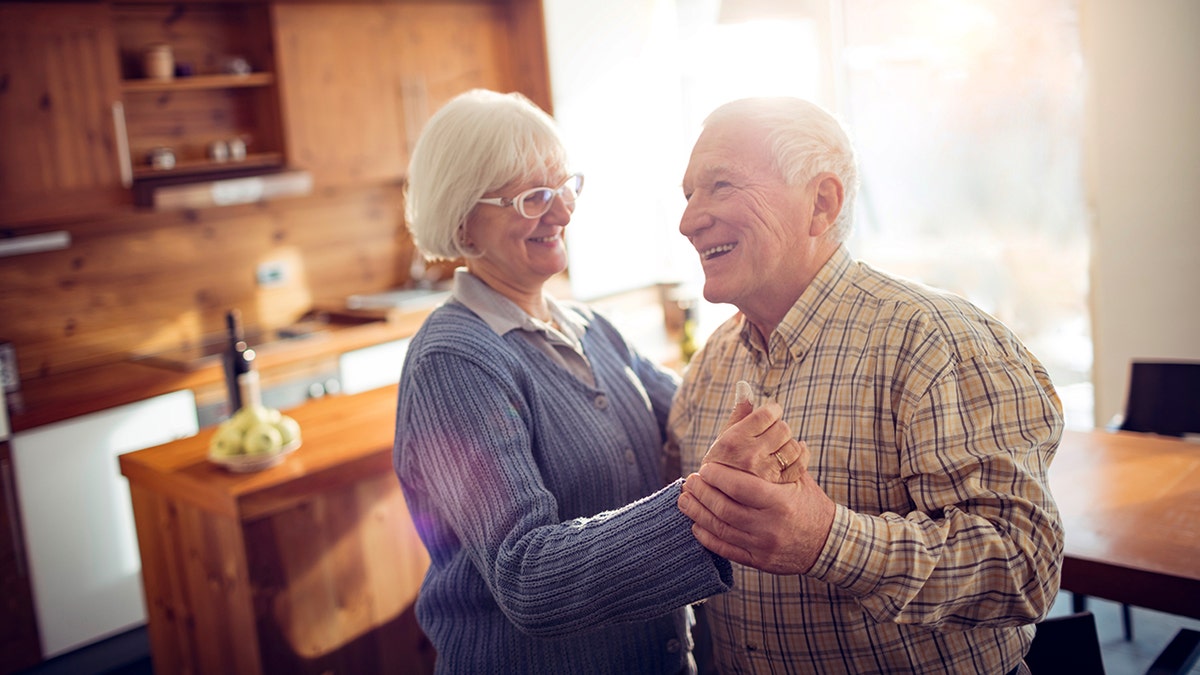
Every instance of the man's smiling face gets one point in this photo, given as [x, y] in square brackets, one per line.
[749, 227]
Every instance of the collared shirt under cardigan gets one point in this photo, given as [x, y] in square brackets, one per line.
[554, 546]
[932, 428]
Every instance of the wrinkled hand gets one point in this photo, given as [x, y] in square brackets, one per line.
[759, 442]
[777, 528]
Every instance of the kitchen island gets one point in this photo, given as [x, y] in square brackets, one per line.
[311, 566]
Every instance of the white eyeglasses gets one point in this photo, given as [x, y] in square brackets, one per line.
[535, 202]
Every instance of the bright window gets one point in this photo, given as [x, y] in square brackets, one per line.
[967, 116]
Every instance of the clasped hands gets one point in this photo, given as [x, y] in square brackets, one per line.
[753, 500]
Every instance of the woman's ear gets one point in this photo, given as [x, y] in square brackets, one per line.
[827, 203]
[464, 240]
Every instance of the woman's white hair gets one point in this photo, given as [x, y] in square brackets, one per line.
[805, 140]
[478, 142]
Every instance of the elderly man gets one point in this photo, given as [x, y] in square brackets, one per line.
[923, 537]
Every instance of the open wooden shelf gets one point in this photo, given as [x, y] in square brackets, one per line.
[197, 82]
[198, 167]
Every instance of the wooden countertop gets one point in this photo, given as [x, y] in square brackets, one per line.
[65, 395]
[61, 396]
[344, 439]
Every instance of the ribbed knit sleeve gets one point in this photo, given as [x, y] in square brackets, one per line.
[538, 495]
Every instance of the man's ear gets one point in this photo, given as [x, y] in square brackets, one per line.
[827, 203]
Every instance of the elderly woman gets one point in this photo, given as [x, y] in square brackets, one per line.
[529, 433]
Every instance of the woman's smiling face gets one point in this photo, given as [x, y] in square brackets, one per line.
[518, 253]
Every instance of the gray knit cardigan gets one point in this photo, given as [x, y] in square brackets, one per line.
[554, 546]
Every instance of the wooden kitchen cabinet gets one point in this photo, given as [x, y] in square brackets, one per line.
[60, 112]
[80, 119]
[341, 89]
[204, 103]
[19, 643]
[219, 109]
[311, 566]
[342, 101]
[359, 80]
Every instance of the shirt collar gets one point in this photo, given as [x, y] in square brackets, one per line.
[803, 322]
[503, 315]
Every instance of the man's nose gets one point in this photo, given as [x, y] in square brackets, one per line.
[693, 219]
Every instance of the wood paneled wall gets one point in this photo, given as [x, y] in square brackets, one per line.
[137, 283]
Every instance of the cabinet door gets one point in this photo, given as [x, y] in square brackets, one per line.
[341, 100]
[19, 646]
[77, 516]
[441, 50]
[64, 152]
[359, 81]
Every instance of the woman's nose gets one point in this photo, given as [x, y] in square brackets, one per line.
[559, 212]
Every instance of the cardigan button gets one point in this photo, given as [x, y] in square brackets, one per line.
[601, 402]
[673, 646]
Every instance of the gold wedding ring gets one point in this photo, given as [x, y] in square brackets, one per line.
[782, 464]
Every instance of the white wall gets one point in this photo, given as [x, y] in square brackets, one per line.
[615, 80]
[1142, 170]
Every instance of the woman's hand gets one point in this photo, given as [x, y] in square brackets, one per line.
[759, 442]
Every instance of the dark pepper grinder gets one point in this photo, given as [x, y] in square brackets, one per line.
[239, 359]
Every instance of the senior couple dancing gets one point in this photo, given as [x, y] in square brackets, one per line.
[872, 499]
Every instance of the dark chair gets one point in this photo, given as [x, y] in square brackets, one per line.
[1163, 398]
[1066, 644]
[1070, 644]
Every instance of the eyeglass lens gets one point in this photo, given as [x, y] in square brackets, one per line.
[536, 202]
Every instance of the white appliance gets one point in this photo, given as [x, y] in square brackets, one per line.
[372, 367]
[78, 519]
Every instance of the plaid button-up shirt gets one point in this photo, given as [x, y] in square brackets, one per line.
[932, 428]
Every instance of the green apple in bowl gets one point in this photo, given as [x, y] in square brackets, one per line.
[227, 442]
[262, 439]
[251, 416]
[289, 429]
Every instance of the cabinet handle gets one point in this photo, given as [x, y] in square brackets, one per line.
[414, 98]
[123, 158]
[10, 504]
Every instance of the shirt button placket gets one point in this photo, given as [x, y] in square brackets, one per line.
[776, 363]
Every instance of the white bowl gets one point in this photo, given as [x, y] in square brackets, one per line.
[250, 463]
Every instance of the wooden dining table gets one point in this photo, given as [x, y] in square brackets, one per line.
[1130, 505]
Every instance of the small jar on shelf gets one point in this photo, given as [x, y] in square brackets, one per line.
[158, 61]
